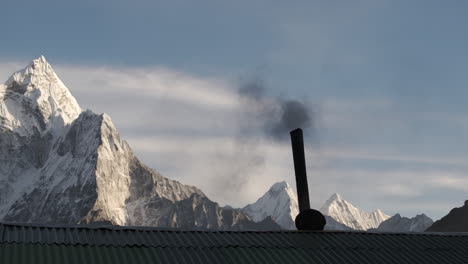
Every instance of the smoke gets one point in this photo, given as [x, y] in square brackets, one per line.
[275, 116]
[260, 119]
[294, 114]
[237, 164]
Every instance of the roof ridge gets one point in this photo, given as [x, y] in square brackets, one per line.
[186, 230]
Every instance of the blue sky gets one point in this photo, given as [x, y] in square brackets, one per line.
[386, 79]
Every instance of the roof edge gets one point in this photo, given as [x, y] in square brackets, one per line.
[172, 229]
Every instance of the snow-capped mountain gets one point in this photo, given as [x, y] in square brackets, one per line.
[397, 223]
[345, 213]
[279, 202]
[35, 100]
[59, 164]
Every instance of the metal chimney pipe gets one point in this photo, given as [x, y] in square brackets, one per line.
[297, 141]
[307, 219]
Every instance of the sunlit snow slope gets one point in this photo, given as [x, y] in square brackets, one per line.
[346, 213]
[279, 202]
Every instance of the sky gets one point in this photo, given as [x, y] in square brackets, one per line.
[383, 82]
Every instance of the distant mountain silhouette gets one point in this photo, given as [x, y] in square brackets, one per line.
[455, 221]
[397, 223]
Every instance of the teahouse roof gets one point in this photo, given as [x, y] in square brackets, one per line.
[85, 244]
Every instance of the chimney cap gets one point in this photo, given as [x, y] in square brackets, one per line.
[310, 219]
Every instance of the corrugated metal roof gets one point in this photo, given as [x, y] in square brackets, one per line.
[47, 244]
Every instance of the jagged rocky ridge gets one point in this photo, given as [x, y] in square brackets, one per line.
[397, 223]
[59, 164]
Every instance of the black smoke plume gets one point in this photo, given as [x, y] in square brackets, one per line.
[276, 115]
[261, 116]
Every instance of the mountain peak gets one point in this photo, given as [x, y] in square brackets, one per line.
[37, 89]
[279, 202]
[283, 185]
[346, 213]
[36, 69]
[335, 197]
[41, 60]
[41, 66]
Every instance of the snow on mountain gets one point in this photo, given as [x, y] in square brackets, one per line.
[35, 99]
[332, 224]
[397, 223]
[61, 165]
[345, 213]
[279, 202]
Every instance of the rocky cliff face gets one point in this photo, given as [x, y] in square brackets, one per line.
[59, 164]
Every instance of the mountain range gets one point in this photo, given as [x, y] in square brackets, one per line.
[397, 223]
[60, 164]
[280, 203]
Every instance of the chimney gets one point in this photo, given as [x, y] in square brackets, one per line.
[308, 219]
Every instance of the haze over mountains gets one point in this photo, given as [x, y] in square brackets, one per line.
[60, 164]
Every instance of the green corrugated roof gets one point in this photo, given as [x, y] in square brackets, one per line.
[52, 244]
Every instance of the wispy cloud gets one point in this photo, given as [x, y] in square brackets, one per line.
[389, 155]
